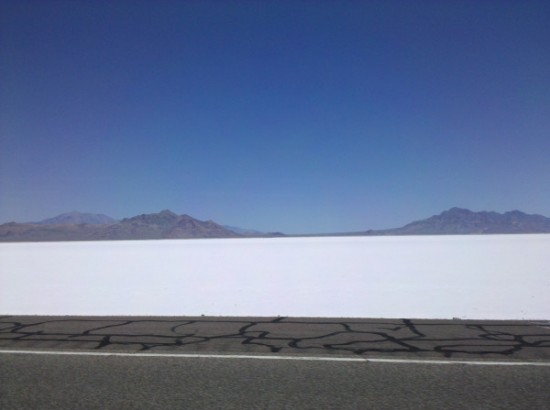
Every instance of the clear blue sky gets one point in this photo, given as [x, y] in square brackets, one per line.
[296, 116]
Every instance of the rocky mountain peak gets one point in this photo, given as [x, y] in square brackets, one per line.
[461, 221]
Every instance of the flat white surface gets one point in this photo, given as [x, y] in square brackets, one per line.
[477, 277]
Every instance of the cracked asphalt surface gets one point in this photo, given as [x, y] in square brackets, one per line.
[136, 382]
[514, 340]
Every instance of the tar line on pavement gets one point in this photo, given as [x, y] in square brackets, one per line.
[283, 338]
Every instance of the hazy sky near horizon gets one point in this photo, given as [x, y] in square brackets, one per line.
[293, 116]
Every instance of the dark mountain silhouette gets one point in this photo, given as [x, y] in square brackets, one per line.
[459, 221]
[168, 225]
[74, 217]
[244, 231]
[162, 225]
[32, 232]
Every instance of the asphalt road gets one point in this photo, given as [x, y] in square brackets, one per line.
[84, 382]
[277, 363]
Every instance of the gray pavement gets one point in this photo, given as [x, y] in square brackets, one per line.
[464, 339]
[107, 382]
[133, 370]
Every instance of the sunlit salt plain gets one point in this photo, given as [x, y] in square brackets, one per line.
[478, 277]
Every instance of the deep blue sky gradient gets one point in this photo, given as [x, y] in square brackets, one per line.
[296, 116]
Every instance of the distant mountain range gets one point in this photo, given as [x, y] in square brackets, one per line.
[243, 231]
[459, 221]
[75, 226]
[74, 217]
